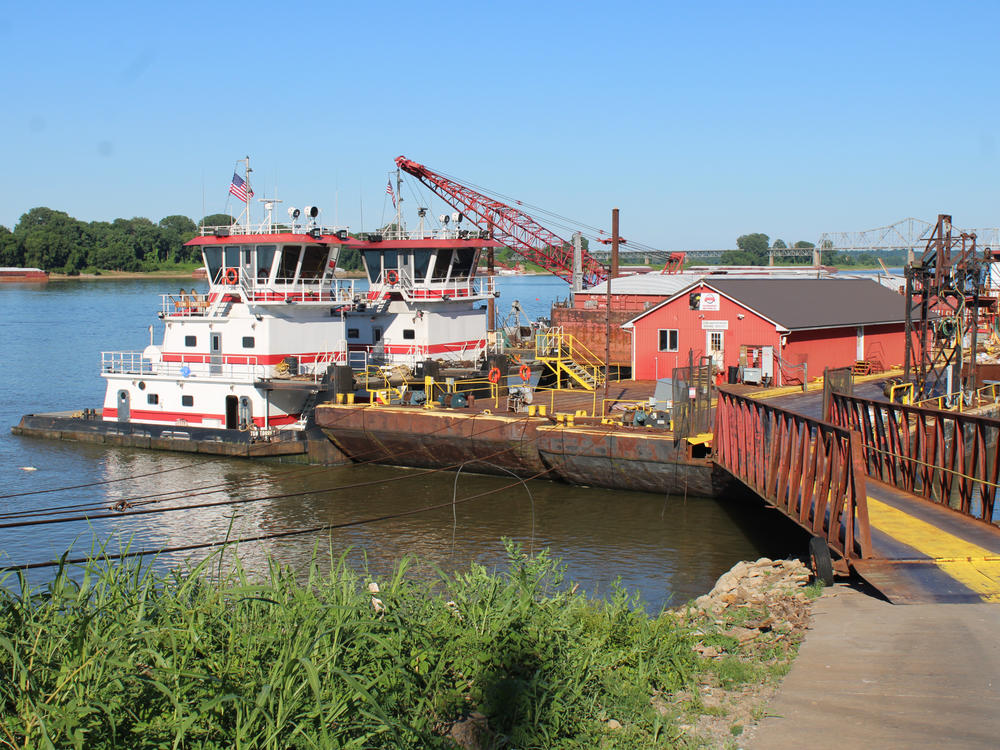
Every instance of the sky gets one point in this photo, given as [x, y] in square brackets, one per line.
[699, 121]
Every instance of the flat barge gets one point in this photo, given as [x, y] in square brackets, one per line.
[580, 451]
[87, 426]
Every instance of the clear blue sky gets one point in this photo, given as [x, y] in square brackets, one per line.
[699, 123]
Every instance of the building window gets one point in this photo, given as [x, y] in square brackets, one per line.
[409, 334]
[248, 342]
[190, 341]
[152, 398]
[668, 339]
[187, 400]
[352, 333]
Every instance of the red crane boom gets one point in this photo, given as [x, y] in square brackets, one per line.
[509, 225]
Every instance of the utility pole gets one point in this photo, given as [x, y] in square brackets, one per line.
[577, 263]
[607, 302]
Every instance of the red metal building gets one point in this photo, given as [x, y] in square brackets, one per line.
[816, 322]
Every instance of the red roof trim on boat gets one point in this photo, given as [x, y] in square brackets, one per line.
[270, 239]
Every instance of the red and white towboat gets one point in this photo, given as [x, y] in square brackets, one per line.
[258, 349]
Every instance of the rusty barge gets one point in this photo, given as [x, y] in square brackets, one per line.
[584, 453]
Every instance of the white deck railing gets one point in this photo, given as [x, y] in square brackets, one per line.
[235, 368]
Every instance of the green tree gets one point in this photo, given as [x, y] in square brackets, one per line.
[217, 220]
[753, 251]
[828, 256]
[10, 250]
[779, 245]
[176, 231]
[49, 239]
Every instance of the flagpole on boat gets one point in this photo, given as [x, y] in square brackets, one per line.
[399, 203]
[247, 187]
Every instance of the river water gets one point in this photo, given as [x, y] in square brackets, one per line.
[665, 548]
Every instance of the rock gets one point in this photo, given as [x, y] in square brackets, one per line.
[470, 732]
[614, 724]
[372, 588]
[742, 634]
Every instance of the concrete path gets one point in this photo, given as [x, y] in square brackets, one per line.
[876, 675]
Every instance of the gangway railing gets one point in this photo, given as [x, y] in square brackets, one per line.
[947, 457]
[810, 470]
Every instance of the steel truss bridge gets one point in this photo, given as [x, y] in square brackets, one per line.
[908, 234]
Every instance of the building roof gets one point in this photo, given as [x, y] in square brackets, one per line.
[665, 284]
[801, 304]
[646, 283]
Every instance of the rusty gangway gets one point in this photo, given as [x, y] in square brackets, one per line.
[905, 495]
[810, 470]
[946, 457]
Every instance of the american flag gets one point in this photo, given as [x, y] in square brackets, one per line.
[391, 192]
[238, 187]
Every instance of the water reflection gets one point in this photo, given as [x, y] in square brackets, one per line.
[668, 548]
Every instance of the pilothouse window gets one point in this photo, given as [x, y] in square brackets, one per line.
[288, 263]
[441, 265]
[421, 262]
[265, 257]
[461, 267]
[373, 263]
[213, 260]
[313, 263]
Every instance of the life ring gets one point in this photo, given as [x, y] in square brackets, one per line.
[232, 276]
[494, 376]
[391, 277]
[525, 373]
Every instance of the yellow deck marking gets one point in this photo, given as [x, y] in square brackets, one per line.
[975, 567]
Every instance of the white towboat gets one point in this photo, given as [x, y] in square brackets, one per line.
[262, 345]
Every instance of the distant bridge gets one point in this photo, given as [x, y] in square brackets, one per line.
[908, 234]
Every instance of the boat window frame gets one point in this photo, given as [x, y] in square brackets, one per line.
[266, 248]
[280, 266]
[213, 266]
[320, 251]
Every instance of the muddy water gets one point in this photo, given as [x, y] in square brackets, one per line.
[668, 549]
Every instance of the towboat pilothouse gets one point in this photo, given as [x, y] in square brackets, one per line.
[259, 348]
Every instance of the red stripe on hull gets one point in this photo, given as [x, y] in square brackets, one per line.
[173, 417]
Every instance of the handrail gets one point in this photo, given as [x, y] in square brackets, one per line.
[962, 400]
[945, 456]
[237, 368]
[810, 470]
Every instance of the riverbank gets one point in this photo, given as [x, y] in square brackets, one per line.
[476, 659]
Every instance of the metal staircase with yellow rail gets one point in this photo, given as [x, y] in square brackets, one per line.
[569, 359]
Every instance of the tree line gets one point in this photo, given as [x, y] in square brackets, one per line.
[55, 241]
[755, 250]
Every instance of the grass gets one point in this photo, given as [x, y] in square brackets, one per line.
[118, 655]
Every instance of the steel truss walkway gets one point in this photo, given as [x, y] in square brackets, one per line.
[895, 496]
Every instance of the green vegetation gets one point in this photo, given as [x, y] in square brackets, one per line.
[55, 241]
[755, 250]
[118, 656]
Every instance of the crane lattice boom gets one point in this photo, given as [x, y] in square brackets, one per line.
[509, 225]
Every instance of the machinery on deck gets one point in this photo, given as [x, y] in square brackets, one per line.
[509, 225]
[945, 300]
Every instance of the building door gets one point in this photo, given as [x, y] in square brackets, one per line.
[232, 412]
[714, 348]
[215, 354]
[123, 406]
[861, 344]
